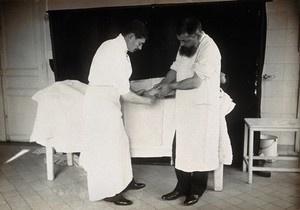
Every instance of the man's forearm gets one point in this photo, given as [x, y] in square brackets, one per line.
[166, 89]
[170, 77]
[186, 84]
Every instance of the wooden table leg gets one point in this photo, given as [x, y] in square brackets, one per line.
[70, 159]
[250, 162]
[218, 178]
[245, 148]
[50, 162]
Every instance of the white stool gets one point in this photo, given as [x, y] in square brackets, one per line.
[267, 124]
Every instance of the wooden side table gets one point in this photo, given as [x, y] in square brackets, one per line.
[267, 124]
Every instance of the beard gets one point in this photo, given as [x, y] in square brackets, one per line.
[188, 51]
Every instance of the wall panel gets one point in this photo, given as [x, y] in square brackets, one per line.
[22, 65]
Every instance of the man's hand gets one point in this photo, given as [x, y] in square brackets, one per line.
[165, 89]
[158, 85]
[141, 92]
[148, 95]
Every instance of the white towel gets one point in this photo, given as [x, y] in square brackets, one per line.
[225, 150]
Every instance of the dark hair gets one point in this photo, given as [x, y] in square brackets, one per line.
[137, 28]
[189, 25]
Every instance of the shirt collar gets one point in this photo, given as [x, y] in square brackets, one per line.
[202, 36]
[122, 42]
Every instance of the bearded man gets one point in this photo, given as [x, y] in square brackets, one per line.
[195, 77]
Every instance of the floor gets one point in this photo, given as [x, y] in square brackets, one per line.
[23, 185]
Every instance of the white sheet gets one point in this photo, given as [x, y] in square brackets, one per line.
[150, 128]
[58, 120]
[225, 150]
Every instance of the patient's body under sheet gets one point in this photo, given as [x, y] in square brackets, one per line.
[59, 116]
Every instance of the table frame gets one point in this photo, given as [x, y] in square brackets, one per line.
[217, 174]
[267, 124]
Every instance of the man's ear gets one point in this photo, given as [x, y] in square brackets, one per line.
[131, 36]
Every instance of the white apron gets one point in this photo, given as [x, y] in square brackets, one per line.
[197, 122]
[105, 155]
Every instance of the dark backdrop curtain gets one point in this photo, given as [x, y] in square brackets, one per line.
[238, 28]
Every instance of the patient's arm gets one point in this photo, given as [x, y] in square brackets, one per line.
[135, 98]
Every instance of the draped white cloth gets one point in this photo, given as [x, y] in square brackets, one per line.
[225, 149]
[59, 116]
[150, 128]
[60, 112]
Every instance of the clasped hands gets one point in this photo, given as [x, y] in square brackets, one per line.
[159, 91]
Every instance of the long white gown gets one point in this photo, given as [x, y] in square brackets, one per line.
[106, 154]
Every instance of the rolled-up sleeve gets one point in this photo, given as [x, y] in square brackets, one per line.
[207, 60]
[175, 64]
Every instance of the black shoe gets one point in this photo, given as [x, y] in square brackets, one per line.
[191, 199]
[135, 186]
[266, 174]
[172, 195]
[118, 200]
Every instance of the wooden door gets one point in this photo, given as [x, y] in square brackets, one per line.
[23, 65]
[2, 115]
